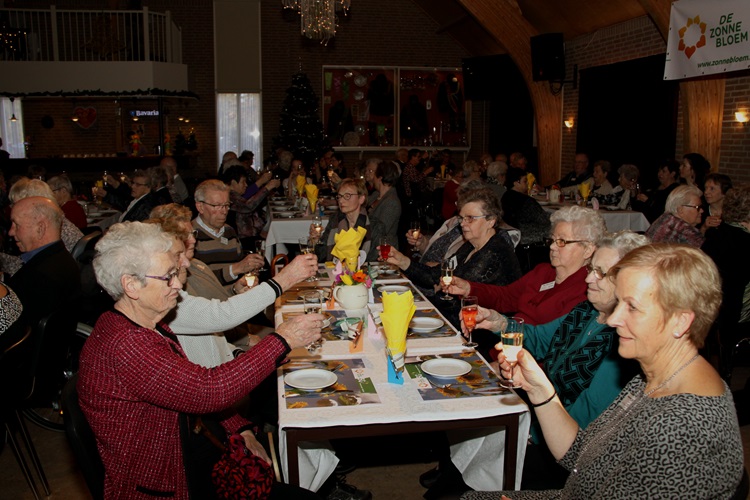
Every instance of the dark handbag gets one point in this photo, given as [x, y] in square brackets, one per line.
[237, 474]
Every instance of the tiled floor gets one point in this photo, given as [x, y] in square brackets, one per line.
[393, 482]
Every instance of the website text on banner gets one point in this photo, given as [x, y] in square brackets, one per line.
[707, 38]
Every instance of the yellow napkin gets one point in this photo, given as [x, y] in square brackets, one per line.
[530, 180]
[398, 309]
[301, 181]
[347, 244]
[312, 196]
[585, 189]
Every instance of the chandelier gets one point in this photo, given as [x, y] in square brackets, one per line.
[318, 17]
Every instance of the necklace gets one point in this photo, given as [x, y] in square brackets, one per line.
[595, 445]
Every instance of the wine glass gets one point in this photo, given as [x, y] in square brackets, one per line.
[446, 277]
[415, 229]
[306, 247]
[251, 279]
[260, 249]
[317, 223]
[385, 249]
[469, 309]
[512, 343]
[313, 304]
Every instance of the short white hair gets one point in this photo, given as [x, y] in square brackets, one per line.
[586, 223]
[680, 196]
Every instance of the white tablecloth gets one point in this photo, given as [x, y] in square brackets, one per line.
[616, 220]
[281, 231]
[478, 454]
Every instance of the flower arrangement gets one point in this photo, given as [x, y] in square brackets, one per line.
[348, 277]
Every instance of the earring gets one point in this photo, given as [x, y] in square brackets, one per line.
[677, 335]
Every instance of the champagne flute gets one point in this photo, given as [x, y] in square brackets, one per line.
[446, 277]
[512, 343]
[307, 247]
[415, 231]
[260, 249]
[469, 309]
[317, 223]
[313, 304]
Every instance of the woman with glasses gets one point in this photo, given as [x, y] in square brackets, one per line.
[487, 254]
[351, 198]
[521, 210]
[683, 212]
[139, 392]
[578, 352]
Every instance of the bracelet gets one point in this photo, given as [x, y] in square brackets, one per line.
[554, 393]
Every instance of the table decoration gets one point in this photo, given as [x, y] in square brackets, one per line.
[398, 309]
[312, 196]
[350, 287]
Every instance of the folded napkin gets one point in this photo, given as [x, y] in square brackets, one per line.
[398, 309]
[312, 196]
[585, 189]
[347, 244]
[530, 180]
[301, 181]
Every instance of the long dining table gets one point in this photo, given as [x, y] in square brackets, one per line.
[287, 224]
[616, 220]
[488, 426]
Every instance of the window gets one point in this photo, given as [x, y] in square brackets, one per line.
[12, 132]
[238, 122]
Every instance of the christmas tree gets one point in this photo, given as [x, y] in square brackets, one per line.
[300, 128]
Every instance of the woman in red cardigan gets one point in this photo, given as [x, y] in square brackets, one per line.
[135, 382]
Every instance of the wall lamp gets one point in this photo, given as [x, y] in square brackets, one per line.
[569, 123]
[742, 117]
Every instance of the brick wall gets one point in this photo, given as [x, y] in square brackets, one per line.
[375, 33]
[639, 38]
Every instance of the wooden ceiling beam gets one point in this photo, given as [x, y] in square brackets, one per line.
[702, 99]
[504, 21]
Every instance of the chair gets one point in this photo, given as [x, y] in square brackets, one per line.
[86, 245]
[275, 266]
[82, 440]
[16, 362]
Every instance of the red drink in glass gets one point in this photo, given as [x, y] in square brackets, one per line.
[469, 315]
[385, 249]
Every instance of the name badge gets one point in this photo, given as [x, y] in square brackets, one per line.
[547, 286]
[224, 241]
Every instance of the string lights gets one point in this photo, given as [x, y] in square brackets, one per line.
[318, 18]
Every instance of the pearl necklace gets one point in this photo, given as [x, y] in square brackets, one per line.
[621, 412]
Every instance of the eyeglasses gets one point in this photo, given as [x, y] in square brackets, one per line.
[470, 218]
[169, 278]
[139, 183]
[598, 273]
[346, 196]
[224, 206]
[561, 242]
[194, 232]
[697, 207]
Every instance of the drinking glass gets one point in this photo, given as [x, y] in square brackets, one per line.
[251, 279]
[415, 229]
[312, 302]
[469, 309]
[306, 246]
[512, 342]
[446, 278]
[318, 228]
[260, 249]
[385, 249]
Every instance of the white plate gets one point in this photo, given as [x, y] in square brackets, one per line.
[425, 325]
[285, 214]
[393, 288]
[445, 367]
[543, 203]
[310, 379]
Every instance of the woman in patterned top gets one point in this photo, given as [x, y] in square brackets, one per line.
[678, 223]
[10, 309]
[673, 430]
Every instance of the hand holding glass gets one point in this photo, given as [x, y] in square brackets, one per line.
[415, 231]
[385, 249]
[446, 278]
[511, 343]
[469, 310]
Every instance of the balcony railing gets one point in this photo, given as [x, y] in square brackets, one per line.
[84, 35]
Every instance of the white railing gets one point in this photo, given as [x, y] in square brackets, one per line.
[85, 35]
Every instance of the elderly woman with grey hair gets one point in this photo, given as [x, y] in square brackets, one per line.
[487, 254]
[496, 172]
[63, 190]
[681, 216]
[137, 388]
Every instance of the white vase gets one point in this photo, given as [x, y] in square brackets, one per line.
[351, 296]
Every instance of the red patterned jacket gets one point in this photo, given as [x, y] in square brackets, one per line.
[133, 383]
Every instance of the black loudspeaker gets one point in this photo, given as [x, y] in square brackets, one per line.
[548, 57]
[484, 76]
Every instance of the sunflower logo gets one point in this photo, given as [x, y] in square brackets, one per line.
[693, 30]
